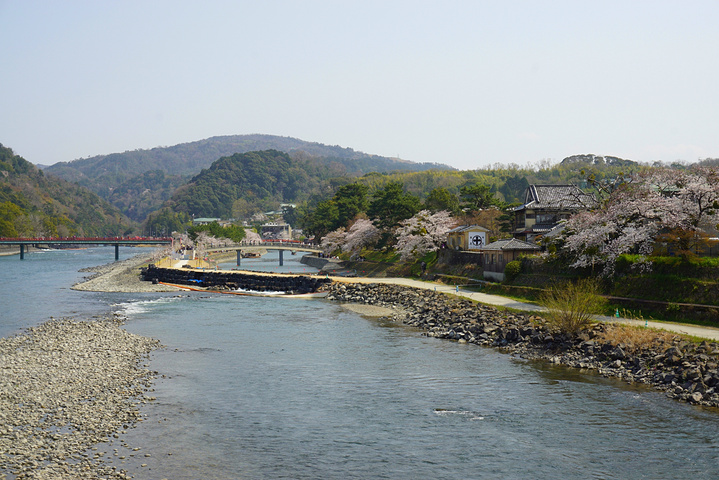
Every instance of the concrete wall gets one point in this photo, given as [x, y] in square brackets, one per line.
[321, 263]
[459, 257]
[493, 276]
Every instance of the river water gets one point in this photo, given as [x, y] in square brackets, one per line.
[265, 388]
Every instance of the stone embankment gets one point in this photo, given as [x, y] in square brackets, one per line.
[66, 388]
[685, 371]
[222, 280]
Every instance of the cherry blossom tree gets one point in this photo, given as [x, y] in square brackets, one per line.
[183, 239]
[333, 241]
[676, 203]
[252, 237]
[361, 233]
[160, 253]
[423, 233]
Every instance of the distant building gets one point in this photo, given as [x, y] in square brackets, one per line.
[204, 221]
[498, 254]
[547, 205]
[467, 237]
[279, 231]
[284, 208]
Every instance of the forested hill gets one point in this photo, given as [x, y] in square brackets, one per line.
[242, 184]
[103, 173]
[246, 182]
[139, 181]
[599, 160]
[35, 204]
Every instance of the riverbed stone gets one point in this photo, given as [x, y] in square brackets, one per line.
[67, 386]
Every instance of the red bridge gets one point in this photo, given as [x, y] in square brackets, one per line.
[116, 241]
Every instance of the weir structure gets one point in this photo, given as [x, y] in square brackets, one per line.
[68, 242]
[224, 280]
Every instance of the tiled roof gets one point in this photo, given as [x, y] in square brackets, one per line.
[510, 244]
[564, 197]
[464, 228]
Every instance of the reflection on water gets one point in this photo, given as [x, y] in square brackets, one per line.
[309, 390]
[257, 388]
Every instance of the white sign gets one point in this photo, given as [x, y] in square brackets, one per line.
[476, 240]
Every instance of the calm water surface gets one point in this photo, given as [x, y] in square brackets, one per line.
[285, 388]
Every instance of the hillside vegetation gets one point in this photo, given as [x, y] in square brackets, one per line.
[142, 182]
[260, 179]
[35, 204]
[508, 182]
[241, 185]
[122, 177]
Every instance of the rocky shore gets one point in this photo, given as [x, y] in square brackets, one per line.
[66, 387]
[685, 370]
[69, 388]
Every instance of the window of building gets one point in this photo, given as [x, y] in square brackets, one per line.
[547, 218]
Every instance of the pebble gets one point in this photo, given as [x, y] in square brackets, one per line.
[67, 386]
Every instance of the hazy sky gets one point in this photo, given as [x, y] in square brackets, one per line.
[467, 83]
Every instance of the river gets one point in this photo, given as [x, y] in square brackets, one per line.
[260, 388]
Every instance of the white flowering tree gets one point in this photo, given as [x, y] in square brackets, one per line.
[252, 237]
[423, 233]
[160, 253]
[678, 203]
[361, 234]
[205, 241]
[333, 241]
[182, 239]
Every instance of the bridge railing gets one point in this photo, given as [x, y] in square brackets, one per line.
[85, 239]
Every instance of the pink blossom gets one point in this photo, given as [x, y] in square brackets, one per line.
[251, 236]
[634, 214]
[423, 233]
[361, 233]
[333, 241]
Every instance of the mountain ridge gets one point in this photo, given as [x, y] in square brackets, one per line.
[152, 175]
[190, 157]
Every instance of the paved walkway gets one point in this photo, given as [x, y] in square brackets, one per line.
[496, 300]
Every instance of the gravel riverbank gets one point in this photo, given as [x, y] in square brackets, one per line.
[69, 388]
[65, 387]
[684, 370]
[121, 276]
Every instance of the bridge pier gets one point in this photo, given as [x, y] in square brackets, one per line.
[22, 252]
[281, 257]
[117, 252]
[239, 257]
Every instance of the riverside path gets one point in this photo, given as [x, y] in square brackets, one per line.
[499, 301]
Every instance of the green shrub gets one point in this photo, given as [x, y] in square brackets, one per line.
[512, 270]
[571, 306]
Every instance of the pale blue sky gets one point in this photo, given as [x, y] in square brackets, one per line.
[467, 83]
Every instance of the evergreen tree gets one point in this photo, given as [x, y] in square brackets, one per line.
[391, 205]
[440, 199]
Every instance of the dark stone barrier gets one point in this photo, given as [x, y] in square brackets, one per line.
[290, 284]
